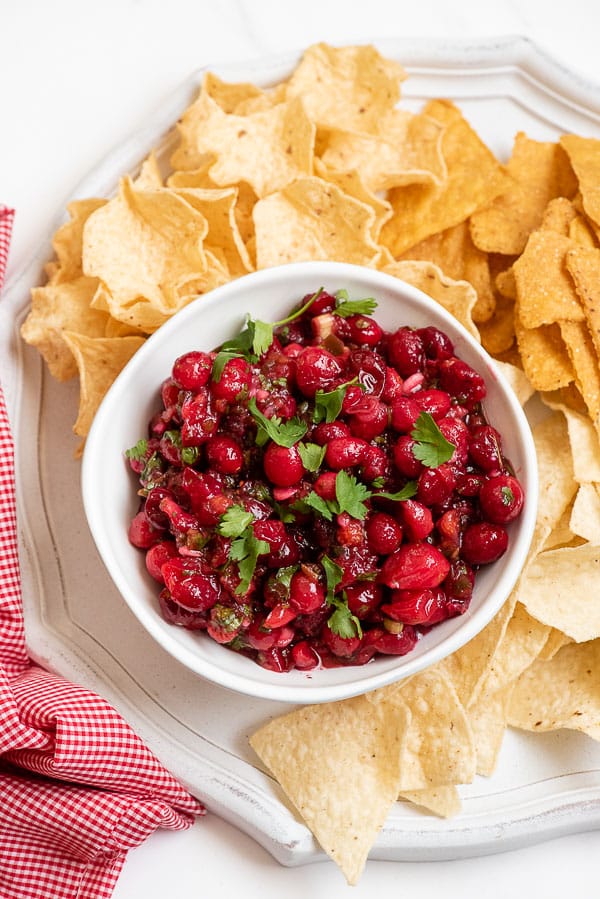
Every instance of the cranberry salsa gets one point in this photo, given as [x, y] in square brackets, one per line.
[318, 491]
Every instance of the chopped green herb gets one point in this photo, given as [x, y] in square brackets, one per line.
[320, 505]
[351, 495]
[409, 489]
[346, 307]
[138, 451]
[286, 433]
[189, 454]
[333, 576]
[234, 521]
[328, 404]
[431, 447]
[312, 455]
[508, 496]
[342, 622]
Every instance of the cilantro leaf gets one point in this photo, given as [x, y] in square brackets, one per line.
[320, 505]
[343, 623]
[351, 495]
[312, 455]
[262, 338]
[345, 307]
[138, 451]
[234, 521]
[301, 310]
[431, 447]
[409, 489]
[333, 576]
[328, 404]
[286, 433]
[248, 549]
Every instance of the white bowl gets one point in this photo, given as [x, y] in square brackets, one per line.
[109, 489]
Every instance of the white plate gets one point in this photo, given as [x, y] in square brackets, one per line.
[77, 624]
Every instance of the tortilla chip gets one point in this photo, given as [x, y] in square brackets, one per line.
[145, 244]
[218, 208]
[518, 380]
[544, 287]
[458, 257]
[498, 332]
[583, 264]
[313, 219]
[585, 516]
[315, 752]
[539, 172]
[443, 801]
[229, 95]
[68, 240]
[580, 347]
[267, 149]
[544, 356]
[350, 88]
[352, 183]
[474, 178]
[558, 590]
[559, 216]
[537, 705]
[556, 640]
[149, 176]
[488, 718]
[457, 297]
[57, 308]
[407, 150]
[99, 361]
[584, 154]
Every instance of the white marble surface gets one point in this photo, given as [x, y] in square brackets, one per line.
[75, 78]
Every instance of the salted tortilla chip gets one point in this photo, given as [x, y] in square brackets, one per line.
[498, 332]
[474, 178]
[539, 172]
[518, 380]
[578, 340]
[561, 534]
[57, 308]
[313, 219]
[585, 516]
[229, 95]
[559, 216]
[351, 88]
[557, 484]
[558, 590]
[67, 241]
[149, 176]
[268, 149]
[488, 718]
[407, 150]
[458, 257]
[584, 154]
[145, 244]
[556, 640]
[315, 752]
[544, 287]
[584, 444]
[583, 264]
[582, 233]
[544, 355]
[457, 297]
[506, 284]
[198, 177]
[218, 208]
[443, 801]
[99, 361]
[351, 183]
[537, 705]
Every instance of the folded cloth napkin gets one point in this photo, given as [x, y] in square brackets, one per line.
[78, 787]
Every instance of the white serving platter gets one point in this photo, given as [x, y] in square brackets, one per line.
[78, 625]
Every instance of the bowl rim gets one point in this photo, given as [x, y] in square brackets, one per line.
[308, 692]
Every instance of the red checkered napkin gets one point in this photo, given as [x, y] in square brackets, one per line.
[78, 787]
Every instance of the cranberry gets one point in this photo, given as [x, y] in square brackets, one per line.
[141, 533]
[390, 643]
[436, 402]
[436, 344]
[345, 452]
[485, 448]
[417, 519]
[175, 614]
[274, 660]
[316, 369]
[459, 583]
[307, 593]
[456, 432]
[200, 419]
[156, 557]
[326, 431]
[325, 302]
[363, 598]
[235, 378]
[393, 385]
[375, 464]
[324, 486]
[192, 370]
[154, 513]
[304, 656]
[406, 351]
[370, 421]
[414, 566]
[224, 454]
[370, 369]
[344, 647]
[484, 543]
[404, 414]
[279, 616]
[206, 495]
[501, 498]
[188, 586]
[283, 465]
[364, 330]
[462, 381]
[417, 606]
[436, 485]
[404, 458]
[384, 534]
